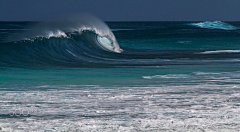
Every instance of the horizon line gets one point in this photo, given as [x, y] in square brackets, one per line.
[135, 21]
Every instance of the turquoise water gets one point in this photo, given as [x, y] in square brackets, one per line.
[169, 76]
[12, 78]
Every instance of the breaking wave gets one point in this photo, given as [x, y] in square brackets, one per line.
[78, 40]
[214, 25]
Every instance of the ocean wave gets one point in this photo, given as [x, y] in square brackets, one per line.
[220, 51]
[214, 25]
[58, 48]
[169, 76]
[76, 41]
[72, 24]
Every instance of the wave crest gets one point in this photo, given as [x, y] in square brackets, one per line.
[58, 33]
[214, 25]
[74, 24]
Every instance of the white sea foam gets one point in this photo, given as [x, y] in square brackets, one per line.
[214, 25]
[167, 76]
[50, 34]
[207, 73]
[58, 33]
[220, 51]
[202, 107]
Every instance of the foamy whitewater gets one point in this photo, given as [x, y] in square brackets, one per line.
[80, 74]
[214, 25]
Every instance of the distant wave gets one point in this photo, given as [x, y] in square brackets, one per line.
[120, 29]
[169, 76]
[214, 25]
[220, 51]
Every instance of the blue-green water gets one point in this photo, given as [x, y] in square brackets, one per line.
[169, 76]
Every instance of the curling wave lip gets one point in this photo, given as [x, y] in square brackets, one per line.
[108, 44]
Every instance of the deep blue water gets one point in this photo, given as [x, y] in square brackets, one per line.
[164, 76]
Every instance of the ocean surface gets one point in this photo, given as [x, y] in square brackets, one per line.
[86, 75]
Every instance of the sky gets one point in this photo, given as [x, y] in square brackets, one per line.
[122, 10]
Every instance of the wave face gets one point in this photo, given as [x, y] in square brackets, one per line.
[214, 25]
[72, 49]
